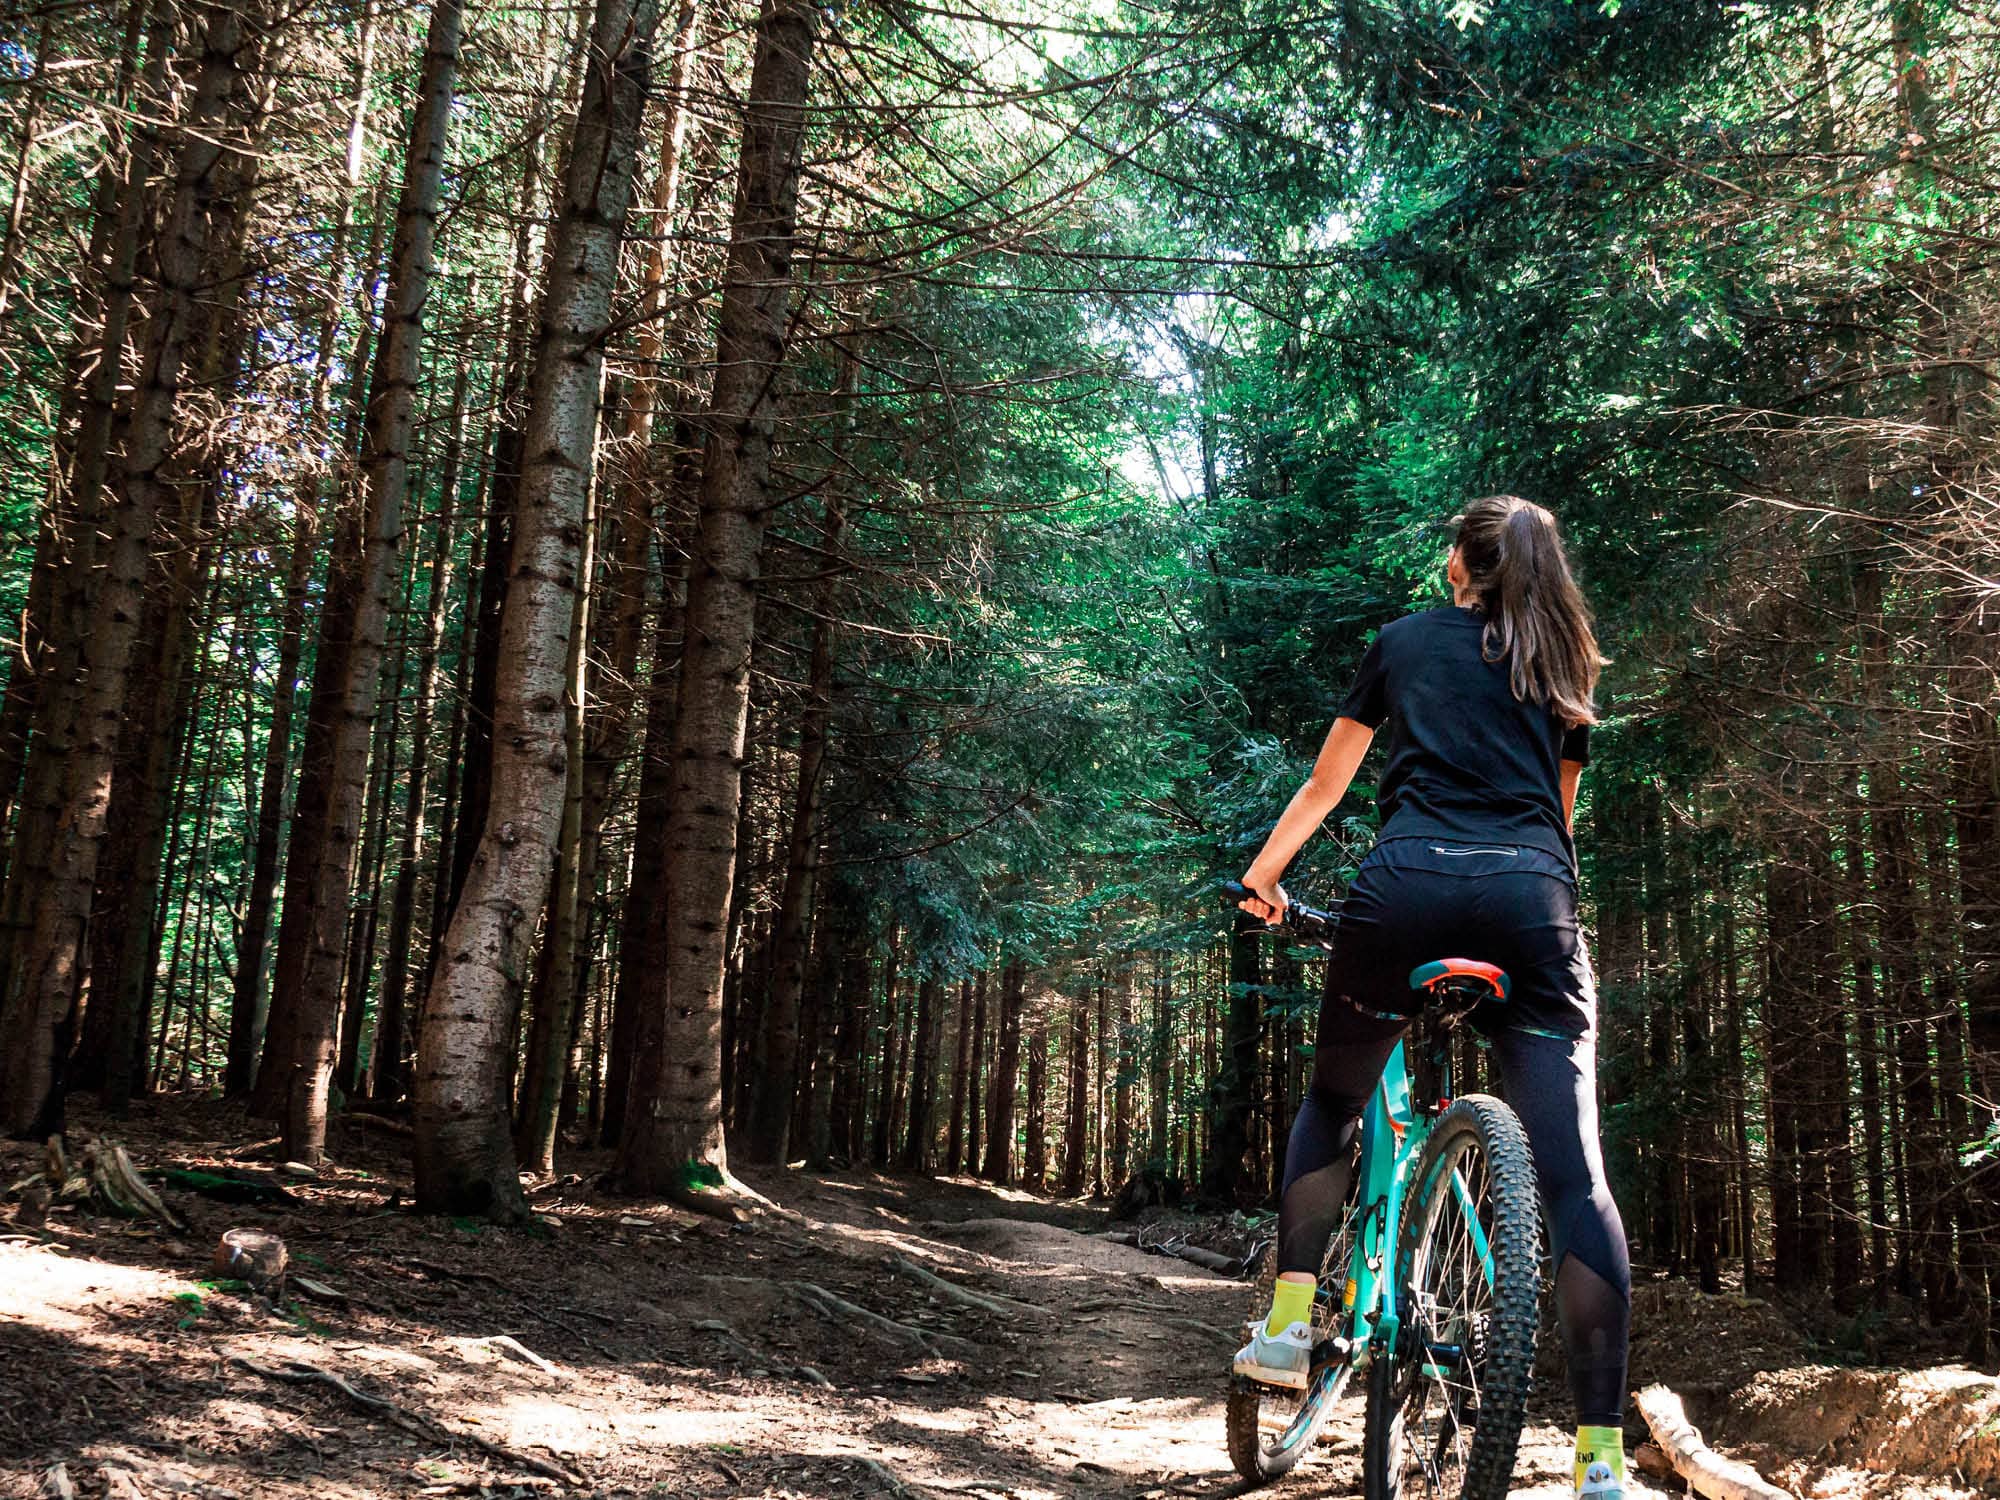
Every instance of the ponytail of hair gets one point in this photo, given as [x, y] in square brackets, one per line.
[1536, 618]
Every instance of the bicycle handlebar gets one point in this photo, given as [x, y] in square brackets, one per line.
[1309, 922]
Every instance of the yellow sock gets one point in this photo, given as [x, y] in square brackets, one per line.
[1600, 1445]
[1291, 1302]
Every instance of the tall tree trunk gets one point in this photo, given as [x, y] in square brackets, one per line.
[44, 726]
[103, 298]
[975, 1074]
[675, 1139]
[961, 1063]
[885, 1078]
[389, 1071]
[1160, 1085]
[1035, 1146]
[1076, 1128]
[250, 995]
[385, 468]
[1121, 1096]
[920, 1141]
[1227, 1176]
[464, 1153]
[778, 1080]
[640, 944]
[1006, 1075]
[556, 995]
[845, 1107]
[157, 703]
[38, 1010]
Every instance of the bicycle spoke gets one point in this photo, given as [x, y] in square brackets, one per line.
[1451, 1301]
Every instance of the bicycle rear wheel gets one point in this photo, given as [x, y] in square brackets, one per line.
[1271, 1429]
[1445, 1406]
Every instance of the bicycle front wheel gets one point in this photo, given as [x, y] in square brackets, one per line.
[1445, 1406]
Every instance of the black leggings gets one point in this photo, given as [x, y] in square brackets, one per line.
[1408, 906]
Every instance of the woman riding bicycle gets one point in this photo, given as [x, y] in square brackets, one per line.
[1489, 707]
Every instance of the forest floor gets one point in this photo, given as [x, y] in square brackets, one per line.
[653, 1352]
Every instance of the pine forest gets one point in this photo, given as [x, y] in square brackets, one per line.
[632, 592]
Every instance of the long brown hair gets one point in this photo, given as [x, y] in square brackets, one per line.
[1536, 618]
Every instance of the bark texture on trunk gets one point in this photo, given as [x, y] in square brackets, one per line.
[464, 1151]
[388, 1069]
[37, 1012]
[1006, 1069]
[673, 1138]
[920, 1142]
[308, 1070]
[1076, 1127]
[771, 1099]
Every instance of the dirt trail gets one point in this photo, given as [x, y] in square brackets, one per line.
[655, 1353]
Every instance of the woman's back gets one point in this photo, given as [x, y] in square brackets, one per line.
[1466, 758]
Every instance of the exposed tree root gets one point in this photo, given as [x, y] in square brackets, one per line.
[889, 1479]
[1706, 1471]
[298, 1372]
[999, 1306]
[713, 1203]
[827, 1305]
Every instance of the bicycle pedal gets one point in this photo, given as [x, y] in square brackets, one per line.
[1332, 1351]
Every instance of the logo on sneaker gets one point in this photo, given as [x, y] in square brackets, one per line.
[1599, 1479]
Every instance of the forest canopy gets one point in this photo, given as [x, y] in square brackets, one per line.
[728, 580]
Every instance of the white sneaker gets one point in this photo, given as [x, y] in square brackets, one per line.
[1281, 1359]
[1600, 1483]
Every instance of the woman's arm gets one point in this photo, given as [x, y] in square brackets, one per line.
[1346, 743]
[1572, 774]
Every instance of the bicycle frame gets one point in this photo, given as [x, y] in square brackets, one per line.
[1393, 1132]
[1392, 1135]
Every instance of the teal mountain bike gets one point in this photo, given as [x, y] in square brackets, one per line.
[1430, 1286]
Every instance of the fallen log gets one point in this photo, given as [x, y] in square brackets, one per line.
[1194, 1255]
[1706, 1471]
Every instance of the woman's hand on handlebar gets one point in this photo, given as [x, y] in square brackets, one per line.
[1269, 900]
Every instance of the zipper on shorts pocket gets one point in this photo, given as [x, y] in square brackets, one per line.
[1475, 849]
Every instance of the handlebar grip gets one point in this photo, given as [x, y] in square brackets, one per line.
[1236, 890]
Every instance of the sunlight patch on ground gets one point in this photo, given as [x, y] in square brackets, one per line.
[47, 1288]
[684, 1426]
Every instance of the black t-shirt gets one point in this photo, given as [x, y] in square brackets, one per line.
[1467, 759]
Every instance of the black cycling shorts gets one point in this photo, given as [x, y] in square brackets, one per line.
[1418, 899]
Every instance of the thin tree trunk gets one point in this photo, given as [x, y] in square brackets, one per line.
[388, 1072]
[920, 1141]
[1076, 1129]
[891, 1028]
[304, 855]
[778, 1081]
[366, 904]
[464, 1154]
[1035, 1147]
[1006, 1073]
[1121, 1106]
[961, 1063]
[385, 468]
[845, 1107]
[975, 1074]
[1226, 1176]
